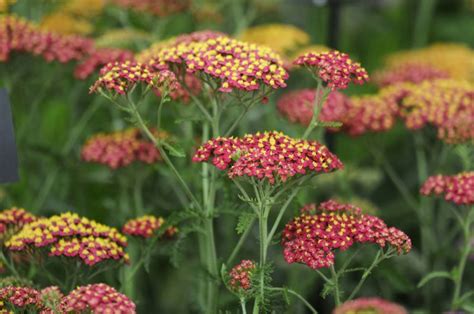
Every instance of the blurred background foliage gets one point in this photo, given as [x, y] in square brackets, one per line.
[53, 179]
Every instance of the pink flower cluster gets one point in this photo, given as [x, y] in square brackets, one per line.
[446, 104]
[313, 238]
[20, 36]
[234, 64]
[99, 58]
[14, 218]
[97, 298]
[369, 305]
[240, 276]
[155, 7]
[121, 148]
[409, 73]
[71, 236]
[268, 155]
[298, 106]
[146, 226]
[335, 68]
[20, 298]
[458, 188]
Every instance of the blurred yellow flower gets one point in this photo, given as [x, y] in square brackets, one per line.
[455, 59]
[5, 3]
[66, 24]
[282, 38]
[123, 38]
[84, 8]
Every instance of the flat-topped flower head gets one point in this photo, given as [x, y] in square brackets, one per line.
[283, 38]
[298, 106]
[160, 8]
[446, 104]
[313, 237]
[458, 189]
[18, 35]
[97, 298]
[334, 68]
[146, 226]
[269, 155]
[11, 220]
[21, 299]
[232, 64]
[72, 236]
[409, 73]
[369, 306]
[121, 148]
[240, 276]
[99, 58]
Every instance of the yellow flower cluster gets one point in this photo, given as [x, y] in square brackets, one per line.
[282, 38]
[122, 37]
[70, 235]
[455, 59]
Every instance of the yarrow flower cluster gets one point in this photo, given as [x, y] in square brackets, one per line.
[445, 104]
[408, 73]
[240, 276]
[234, 64]
[282, 38]
[334, 68]
[313, 237]
[13, 219]
[100, 57]
[71, 236]
[458, 188]
[19, 298]
[298, 106]
[97, 298]
[453, 59]
[155, 7]
[269, 155]
[121, 148]
[146, 226]
[369, 306]
[20, 36]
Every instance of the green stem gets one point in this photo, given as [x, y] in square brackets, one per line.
[318, 105]
[378, 258]
[263, 224]
[242, 305]
[335, 282]
[296, 294]
[423, 19]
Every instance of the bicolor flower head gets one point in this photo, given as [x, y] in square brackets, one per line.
[458, 189]
[146, 226]
[314, 237]
[18, 35]
[11, 220]
[409, 73]
[298, 106]
[72, 236]
[155, 7]
[334, 68]
[269, 155]
[283, 38]
[121, 148]
[99, 58]
[232, 64]
[97, 298]
[240, 276]
[21, 299]
[369, 306]
[445, 104]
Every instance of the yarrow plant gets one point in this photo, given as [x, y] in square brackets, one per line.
[146, 226]
[458, 189]
[314, 237]
[13, 219]
[369, 306]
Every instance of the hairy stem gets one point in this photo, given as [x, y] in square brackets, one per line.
[299, 296]
[335, 282]
[378, 258]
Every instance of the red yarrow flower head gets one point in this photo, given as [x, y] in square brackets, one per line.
[409, 73]
[146, 226]
[97, 298]
[19, 298]
[269, 155]
[298, 106]
[313, 237]
[99, 58]
[334, 68]
[11, 220]
[71, 236]
[121, 148]
[458, 189]
[369, 306]
[232, 64]
[240, 276]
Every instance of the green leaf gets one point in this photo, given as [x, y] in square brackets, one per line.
[434, 275]
[328, 288]
[176, 151]
[244, 222]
